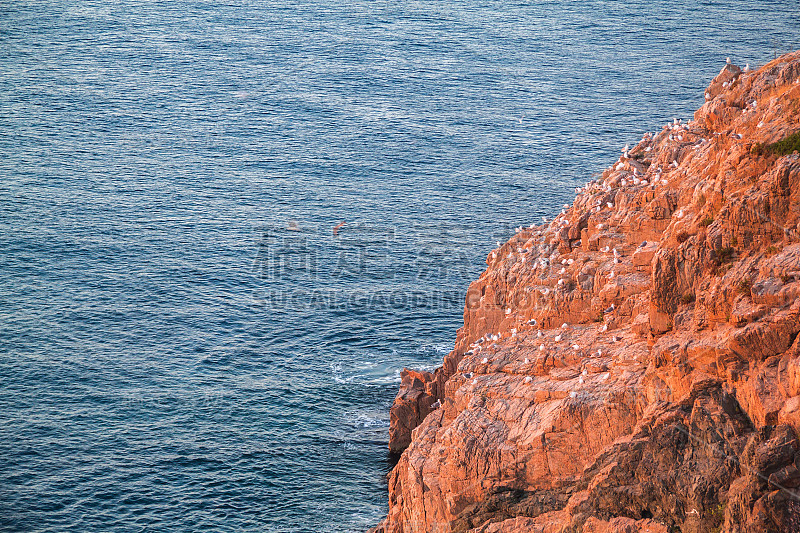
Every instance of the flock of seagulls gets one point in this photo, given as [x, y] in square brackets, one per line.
[675, 131]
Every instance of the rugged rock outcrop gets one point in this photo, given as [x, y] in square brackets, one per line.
[633, 365]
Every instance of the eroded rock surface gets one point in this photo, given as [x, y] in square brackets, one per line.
[633, 365]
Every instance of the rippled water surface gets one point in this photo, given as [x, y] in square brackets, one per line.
[184, 343]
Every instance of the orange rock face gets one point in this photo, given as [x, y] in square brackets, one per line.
[633, 365]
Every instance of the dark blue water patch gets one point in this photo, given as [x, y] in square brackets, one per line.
[185, 343]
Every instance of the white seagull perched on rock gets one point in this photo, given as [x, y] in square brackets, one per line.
[437, 404]
[609, 310]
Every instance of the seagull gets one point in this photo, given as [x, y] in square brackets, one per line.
[576, 347]
[526, 361]
[484, 361]
[539, 333]
[564, 325]
[605, 249]
[610, 205]
[604, 328]
[558, 338]
[541, 347]
[437, 404]
[528, 379]
[468, 375]
[609, 310]
[532, 321]
[475, 381]
[727, 60]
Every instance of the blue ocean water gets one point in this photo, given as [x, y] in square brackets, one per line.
[185, 344]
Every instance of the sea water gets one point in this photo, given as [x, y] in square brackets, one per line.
[185, 344]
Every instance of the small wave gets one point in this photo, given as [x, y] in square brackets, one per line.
[364, 421]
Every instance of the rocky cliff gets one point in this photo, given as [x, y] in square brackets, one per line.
[634, 364]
